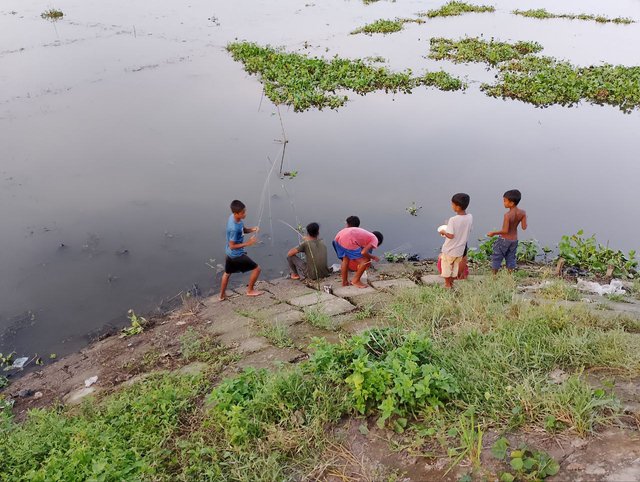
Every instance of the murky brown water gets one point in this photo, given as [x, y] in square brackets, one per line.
[126, 126]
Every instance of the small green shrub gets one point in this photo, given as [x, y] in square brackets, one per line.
[588, 254]
[526, 463]
[392, 381]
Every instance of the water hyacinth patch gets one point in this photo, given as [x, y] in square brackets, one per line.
[541, 14]
[473, 49]
[454, 8]
[305, 82]
[386, 26]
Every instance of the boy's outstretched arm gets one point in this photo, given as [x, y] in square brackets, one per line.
[523, 223]
[252, 240]
[254, 229]
[504, 230]
[365, 253]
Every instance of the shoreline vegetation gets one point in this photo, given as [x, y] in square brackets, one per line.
[305, 82]
[436, 373]
[542, 14]
[441, 374]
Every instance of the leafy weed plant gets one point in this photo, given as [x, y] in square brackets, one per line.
[588, 254]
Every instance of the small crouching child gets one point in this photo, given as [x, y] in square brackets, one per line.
[314, 264]
[236, 259]
[457, 233]
[506, 246]
[356, 244]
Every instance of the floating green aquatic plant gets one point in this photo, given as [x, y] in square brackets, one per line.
[386, 26]
[454, 8]
[541, 13]
[545, 81]
[474, 49]
[304, 82]
[52, 14]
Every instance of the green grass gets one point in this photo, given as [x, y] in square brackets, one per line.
[122, 438]
[541, 13]
[386, 26]
[449, 366]
[454, 8]
[52, 14]
[305, 82]
[560, 291]
[318, 318]
[475, 49]
[277, 334]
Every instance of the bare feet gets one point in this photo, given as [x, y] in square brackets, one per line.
[254, 293]
[359, 284]
[295, 276]
[345, 283]
[222, 298]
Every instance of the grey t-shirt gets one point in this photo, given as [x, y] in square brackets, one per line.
[315, 253]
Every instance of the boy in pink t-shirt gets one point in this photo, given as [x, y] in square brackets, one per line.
[356, 244]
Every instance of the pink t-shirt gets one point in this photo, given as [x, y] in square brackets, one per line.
[356, 238]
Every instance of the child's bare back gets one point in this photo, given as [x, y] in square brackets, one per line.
[512, 219]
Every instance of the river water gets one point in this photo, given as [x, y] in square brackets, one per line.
[126, 129]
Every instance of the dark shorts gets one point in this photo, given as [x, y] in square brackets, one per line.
[341, 251]
[504, 249]
[241, 264]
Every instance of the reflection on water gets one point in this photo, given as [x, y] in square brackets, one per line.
[126, 132]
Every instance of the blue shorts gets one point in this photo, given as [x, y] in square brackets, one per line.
[349, 253]
[504, 249]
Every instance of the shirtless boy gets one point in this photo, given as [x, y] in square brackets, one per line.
[506, 245]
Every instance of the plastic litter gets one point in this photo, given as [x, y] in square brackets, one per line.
[90, 381]
[335, 267]
[613, 288]
[20, 362]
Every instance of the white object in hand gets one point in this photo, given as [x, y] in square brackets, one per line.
[442, 229]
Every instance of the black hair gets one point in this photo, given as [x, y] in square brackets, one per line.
[513, 195]
[313, 229]
[461, 200]
[237, 206]
[353, 221]
[378, 235]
